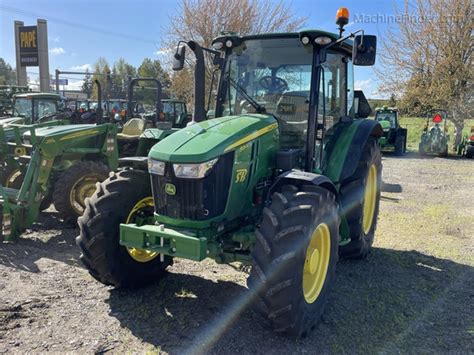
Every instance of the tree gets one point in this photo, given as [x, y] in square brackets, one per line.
[121, 71]
[203, 20]
[7, 74]
[87, 85]
[101, 66]
[427, 58]
[152, 69]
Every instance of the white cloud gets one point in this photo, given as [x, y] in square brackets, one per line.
[57, 51]
[83, 67]
[76, 85]
[163, 52]
[364, 85]
[55, 39]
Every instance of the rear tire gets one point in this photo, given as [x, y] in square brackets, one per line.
[108, 261]
[284, 252]
[399, 144]
[470, 151]
[354, 198]
[74, 186]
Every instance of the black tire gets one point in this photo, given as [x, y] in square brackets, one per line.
[12, 177]
[279, 254]
[421, 151]
[108, 261]
[444, 153]
[352, 202]
[399, 144]
[87, 173]
[470, 151]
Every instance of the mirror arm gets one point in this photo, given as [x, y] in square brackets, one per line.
[342, 39]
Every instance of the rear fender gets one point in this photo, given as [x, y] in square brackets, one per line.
[344, 147]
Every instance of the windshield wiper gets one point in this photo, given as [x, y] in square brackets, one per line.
[259, 108]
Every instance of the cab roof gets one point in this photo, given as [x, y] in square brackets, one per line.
[347, 44]
[39, 95]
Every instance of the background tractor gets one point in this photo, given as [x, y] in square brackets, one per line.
[7, 93]
[394, 136]
[466, 147]
[58, 164]
[286, 178]
[434, 139]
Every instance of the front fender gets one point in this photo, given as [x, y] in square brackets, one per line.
[298, 178]
[344, 145]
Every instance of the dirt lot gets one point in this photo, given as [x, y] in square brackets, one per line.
[414, 293]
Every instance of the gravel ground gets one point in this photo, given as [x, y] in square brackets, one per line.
[414, 293]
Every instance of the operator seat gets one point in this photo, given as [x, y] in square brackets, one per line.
[293, 109]
[132, 130]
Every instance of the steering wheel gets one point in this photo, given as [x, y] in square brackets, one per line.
[273, 84]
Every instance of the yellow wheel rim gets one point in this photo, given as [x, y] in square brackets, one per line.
[82, 189]
[316, 262]
[15, 174]
[137, 254]
[370, 198]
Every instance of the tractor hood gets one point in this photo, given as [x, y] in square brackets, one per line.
[207, 140]
[77, 130]
[11, 120]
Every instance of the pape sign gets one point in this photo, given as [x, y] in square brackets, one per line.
[28, 37]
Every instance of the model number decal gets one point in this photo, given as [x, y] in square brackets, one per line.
[240, 175]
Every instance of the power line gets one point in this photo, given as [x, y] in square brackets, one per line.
[98, 30]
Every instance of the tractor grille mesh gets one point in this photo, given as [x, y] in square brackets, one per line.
[195, 199]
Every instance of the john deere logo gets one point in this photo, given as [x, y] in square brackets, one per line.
[170, 189]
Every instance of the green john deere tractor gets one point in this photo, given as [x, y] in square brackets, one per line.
[466, 146]
[286, 178]
[7, 93]
[434, 139]
[394, 136]
[54, 164]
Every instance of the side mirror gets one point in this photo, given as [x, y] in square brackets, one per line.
[361, 105]
[178, 62]
[364, 50]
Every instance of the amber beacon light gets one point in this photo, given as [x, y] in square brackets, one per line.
[342, 16]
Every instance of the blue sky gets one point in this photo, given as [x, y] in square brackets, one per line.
[81, 31]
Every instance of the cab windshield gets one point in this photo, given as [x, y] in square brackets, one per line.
[23, 108]
[274, 73]
[386, 119]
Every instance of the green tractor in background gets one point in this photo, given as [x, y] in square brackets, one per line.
[7, 93]
[286, 178]
[394, 136]
[35, 108]
[466, 147]
[54, 164]
[434, 139]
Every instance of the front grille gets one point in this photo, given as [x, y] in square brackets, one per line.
[195, 199]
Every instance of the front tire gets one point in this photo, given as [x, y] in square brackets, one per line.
[75, 185]
[295, 258]
[119, 199]
[360, 199]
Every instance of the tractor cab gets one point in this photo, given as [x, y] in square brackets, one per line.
[387, 117]
[32, 108]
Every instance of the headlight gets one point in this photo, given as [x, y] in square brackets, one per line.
[193, 171]
[156, 167]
